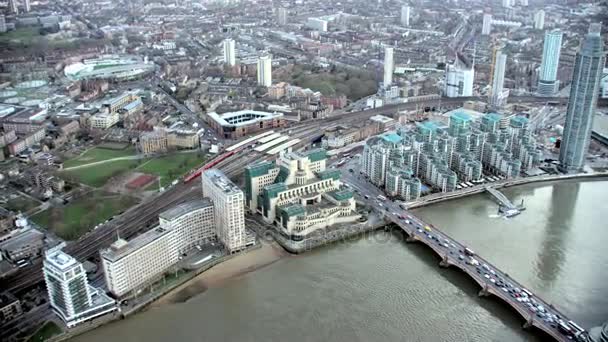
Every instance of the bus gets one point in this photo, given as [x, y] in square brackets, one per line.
[527, 292]
[564, 328]
[469, 251]
[382, 198]
[22, 263]
[576, 327]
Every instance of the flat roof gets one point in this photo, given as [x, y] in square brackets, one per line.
[60, 260]
[185, 208]
[121, 248]
[29, 237]
[219, 179]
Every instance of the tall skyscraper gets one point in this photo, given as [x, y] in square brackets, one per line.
[389, 66]
[229, 52]
[265, 71]
[405, 15]
[70, 295]
[497, 92]
[229, 209]
[459, 79]
[539, 20]
[486, 27]
[12, 5]
[282, 16]
[588, 66]
[547, 80]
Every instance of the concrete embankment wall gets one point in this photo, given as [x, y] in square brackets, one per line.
[436, 198]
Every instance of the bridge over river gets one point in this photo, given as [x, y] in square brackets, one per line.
[534, 310]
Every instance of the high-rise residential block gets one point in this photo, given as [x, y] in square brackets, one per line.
[264, 71]
[229, 52]
[459, 79]
[498, 95]
[539, 20]
[282, 16]
[70, 295]
[405, 15]
[389, 66]
[13, 6]
[588, 67]
[547, 80]
[486, 27]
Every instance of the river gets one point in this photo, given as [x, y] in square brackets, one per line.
[380, 288]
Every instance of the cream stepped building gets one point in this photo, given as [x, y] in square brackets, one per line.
[129, 266]
[298, 194]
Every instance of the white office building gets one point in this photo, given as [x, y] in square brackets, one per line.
[539, 20]
[192, 223]
[70, 295]
[130, 265]
[498, 95]
[26, 5]
[486, 27]
[459, 79]
[405, 15]
[229, 52]
[265, 71]
[547, 80]
[389, 66]
[229, 208]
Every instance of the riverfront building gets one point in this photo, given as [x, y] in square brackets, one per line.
[192, 223]
[441, 156]
[229, 210]
[588, 66]
[298, 194]
[70, 295]
[131, 265]
[547, 83]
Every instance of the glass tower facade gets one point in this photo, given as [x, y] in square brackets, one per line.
[547, 82]
[588, 67]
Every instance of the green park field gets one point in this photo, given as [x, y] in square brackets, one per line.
[81, 215]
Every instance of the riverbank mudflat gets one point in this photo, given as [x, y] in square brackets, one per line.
[228, 270]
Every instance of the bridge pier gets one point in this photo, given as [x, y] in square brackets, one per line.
[411, 238]
[445, 263]
[484, 291]
[529, 323]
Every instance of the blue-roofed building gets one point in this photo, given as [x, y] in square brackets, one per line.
[460, 122]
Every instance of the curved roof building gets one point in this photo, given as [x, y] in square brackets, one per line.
[109, 67]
